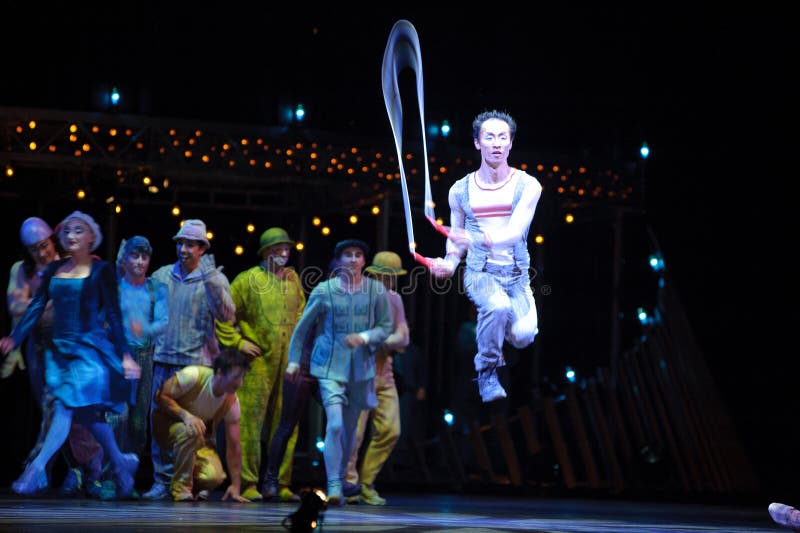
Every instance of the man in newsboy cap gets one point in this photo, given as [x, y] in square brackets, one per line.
[348, 317]
[386, 267]
[199, 294]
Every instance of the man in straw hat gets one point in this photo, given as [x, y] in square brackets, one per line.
[269, 301]
[386, 267]
[199, 294]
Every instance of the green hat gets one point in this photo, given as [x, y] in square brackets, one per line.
[271, 237]
[386, 264]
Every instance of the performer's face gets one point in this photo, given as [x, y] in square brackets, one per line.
[77, 236]
[189, 252]
[494, 141]
[136, 264]
[352, 258]
[231, 381]
[278, 255]
[43, 252]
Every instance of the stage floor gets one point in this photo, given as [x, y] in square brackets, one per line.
[405, 512]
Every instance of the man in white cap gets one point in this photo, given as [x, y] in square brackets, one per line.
[199, 294]
[269, 300]
[386, 267]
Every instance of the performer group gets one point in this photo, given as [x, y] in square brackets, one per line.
[126, 365]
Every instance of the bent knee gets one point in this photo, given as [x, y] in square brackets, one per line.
[523, 332]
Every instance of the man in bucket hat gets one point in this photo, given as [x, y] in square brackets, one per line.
[386, 267]
[269, 301]
[199, 294]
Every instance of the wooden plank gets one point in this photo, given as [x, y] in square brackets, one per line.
[584, 447]
[598, 422]
[500, 424]
[525, 415]
[481, 453]
[559, 445]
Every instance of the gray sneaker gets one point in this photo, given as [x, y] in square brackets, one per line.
[489, 386]
[785, 515]
[335, 496]
[158, 491]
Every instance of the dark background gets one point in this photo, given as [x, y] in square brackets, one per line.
[708, 89]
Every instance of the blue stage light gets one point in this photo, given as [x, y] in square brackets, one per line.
[449, 419]
[115, 96]
[656, 262]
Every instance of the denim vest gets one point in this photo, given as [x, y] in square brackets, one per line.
[476, 258]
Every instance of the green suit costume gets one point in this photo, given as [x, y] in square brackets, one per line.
[267, 310]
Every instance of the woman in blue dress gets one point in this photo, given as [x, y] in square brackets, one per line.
[86, 371]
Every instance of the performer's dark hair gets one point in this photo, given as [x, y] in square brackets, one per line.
[229, 358]
[499, 115]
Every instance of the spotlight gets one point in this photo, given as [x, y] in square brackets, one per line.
[308, 516]
[656, 262]
[114, 96]
[448, 417]
[569, 373]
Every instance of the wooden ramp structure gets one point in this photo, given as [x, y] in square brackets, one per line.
[657, 425]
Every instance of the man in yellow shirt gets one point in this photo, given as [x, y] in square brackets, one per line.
[189, 405]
